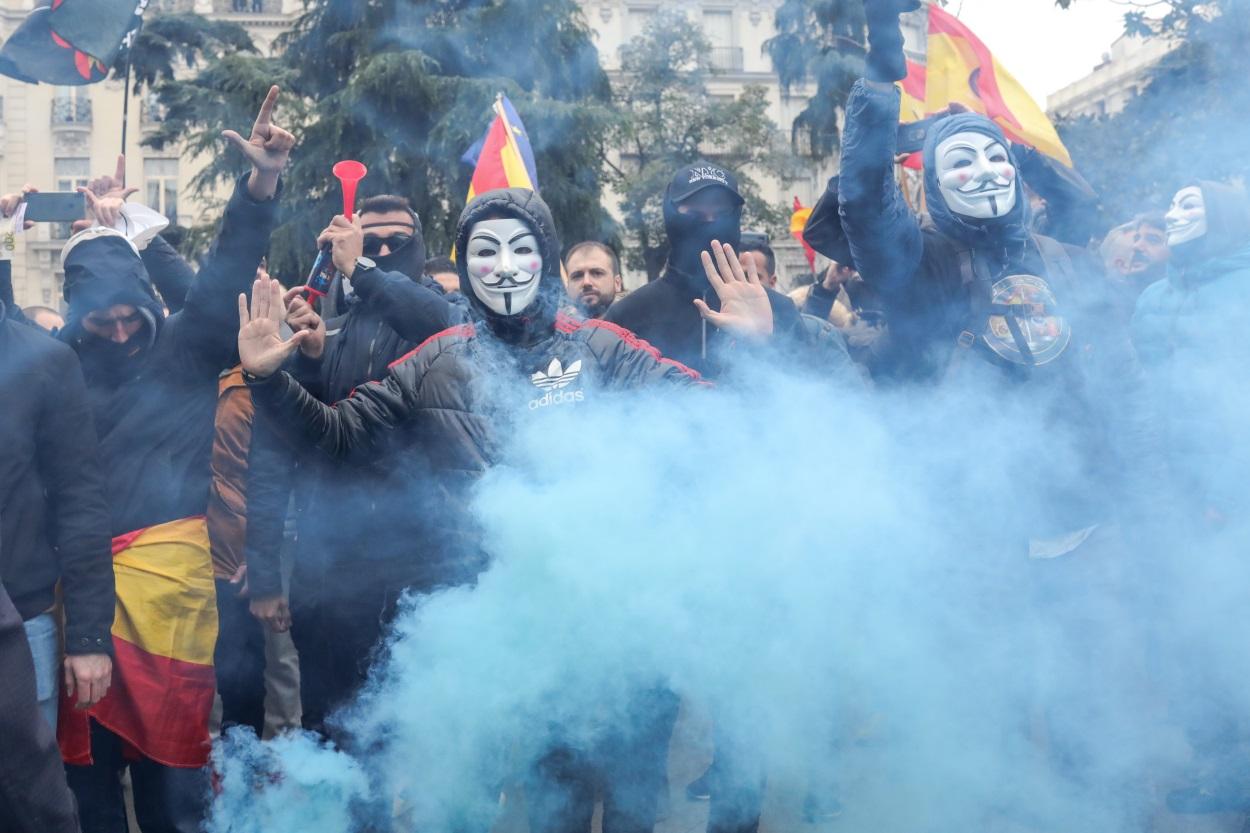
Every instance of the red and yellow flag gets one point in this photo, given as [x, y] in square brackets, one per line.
[798, 222]
[912, 106]
[505, 159]
[164, 632]
[962, 70]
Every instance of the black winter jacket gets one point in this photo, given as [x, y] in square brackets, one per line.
[663, 313]
[53, 514]
[154, 415]
[436, 420]
[342, 516]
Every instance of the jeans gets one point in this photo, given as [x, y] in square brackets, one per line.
[45, 648]
[167, 799]
[33, 795]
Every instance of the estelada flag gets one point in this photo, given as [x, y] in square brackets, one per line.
[798, 221]
[962, 70]
[503, 157]
[164, 632]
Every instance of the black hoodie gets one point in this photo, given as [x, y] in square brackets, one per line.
[153, 399]
[344, 518]
[663, 311]
[440, 410]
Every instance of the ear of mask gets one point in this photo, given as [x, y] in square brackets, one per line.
[505, 265]
[976, 175]
[1187, 218]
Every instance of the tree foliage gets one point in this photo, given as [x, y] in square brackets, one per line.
[823, 40]
[1188, 123]
[405, 86]
[666, 118]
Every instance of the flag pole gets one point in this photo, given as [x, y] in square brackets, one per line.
[125, 106]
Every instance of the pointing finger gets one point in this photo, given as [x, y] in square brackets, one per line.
[120, 174]
[266, 109]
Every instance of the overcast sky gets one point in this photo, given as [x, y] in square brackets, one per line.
[1043, 46]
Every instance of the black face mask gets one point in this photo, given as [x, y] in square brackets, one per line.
[107, 361]
[408, 259]
[689, 235]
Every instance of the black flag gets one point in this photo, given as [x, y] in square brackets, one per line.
[35, 53]
[97, 27]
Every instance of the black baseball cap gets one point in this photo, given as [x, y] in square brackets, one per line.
[692, 179]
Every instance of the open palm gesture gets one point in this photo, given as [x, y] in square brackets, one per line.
[261, 348]
[744, 307]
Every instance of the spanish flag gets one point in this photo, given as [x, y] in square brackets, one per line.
[798, 221]
[961, 69]
[164, 632]
[912, 106]
[503, 158]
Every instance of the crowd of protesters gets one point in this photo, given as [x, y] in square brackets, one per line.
[164, 516]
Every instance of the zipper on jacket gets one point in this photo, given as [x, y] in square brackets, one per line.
[372, 344]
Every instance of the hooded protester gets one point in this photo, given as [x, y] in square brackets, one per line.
[446, 406]
[1188, 331]
[1183, 330]
[993, 315]
[702, 205]
[354, 533]
[152, 390]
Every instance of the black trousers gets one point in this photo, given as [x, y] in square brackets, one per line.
[337, 640]
[167, 799]
[629, 767]
[239, 661]
[33, 795]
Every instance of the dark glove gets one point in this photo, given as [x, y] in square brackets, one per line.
[886, 61]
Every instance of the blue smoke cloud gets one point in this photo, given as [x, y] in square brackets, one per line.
[843, 582]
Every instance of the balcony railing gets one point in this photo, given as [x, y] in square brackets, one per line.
[247, 6]
[71, 111]
[726, 58]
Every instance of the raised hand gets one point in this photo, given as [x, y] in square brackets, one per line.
[261, 348]
[268, 149]
[107, 209]
[744, 307]
[105, 185]
[886, 62]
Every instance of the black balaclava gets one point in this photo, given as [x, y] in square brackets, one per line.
[688, 235]
[408, 259]
[102, 269]
[1228, 224]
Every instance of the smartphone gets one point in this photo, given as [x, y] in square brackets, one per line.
[911, 136]
[55, 207]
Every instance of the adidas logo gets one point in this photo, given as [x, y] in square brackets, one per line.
[555, 378]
